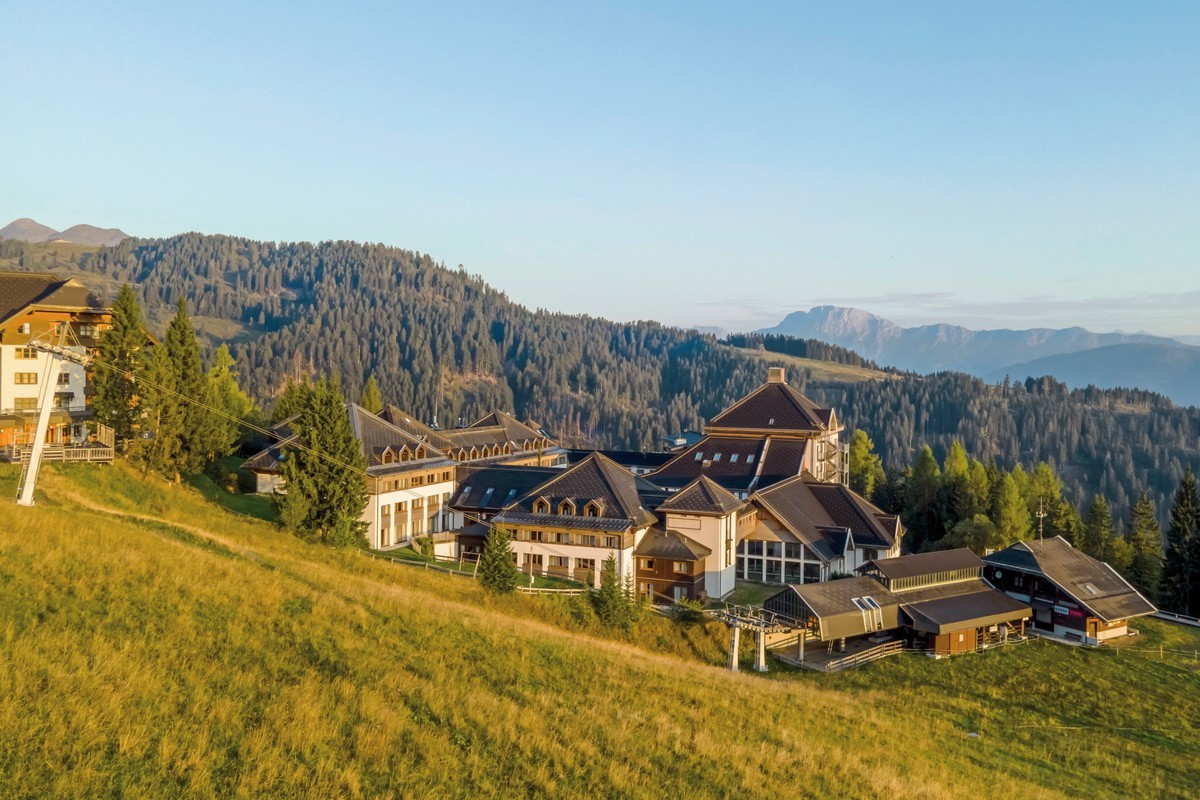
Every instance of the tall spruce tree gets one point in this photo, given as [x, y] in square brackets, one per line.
[1010, 512]
[291, 401]
[614, 604]
[1145, 543]
[228, 397]
[923, 520]
[121, 360]
[1096, 539]
[866, 470]
[325, 478]
[372, 399]
[198, 431]
[161, 419]
[497, 567]
[1181, 571]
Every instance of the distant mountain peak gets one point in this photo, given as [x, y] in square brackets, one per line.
[942, 346]
[29, 230]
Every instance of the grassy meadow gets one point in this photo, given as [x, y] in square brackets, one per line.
[155, 645]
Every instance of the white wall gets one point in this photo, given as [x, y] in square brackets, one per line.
[373, 516]
[10, 365]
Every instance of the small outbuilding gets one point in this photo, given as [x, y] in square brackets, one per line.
[1073, 596]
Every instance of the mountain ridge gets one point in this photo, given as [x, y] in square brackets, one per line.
[944, 346]
[29, 230]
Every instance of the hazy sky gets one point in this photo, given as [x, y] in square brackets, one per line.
[1001, 164]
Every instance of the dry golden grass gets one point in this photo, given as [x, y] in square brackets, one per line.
[154, 645]
[821, 371]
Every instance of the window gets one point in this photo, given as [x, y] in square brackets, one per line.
[87, 330]
[592, 509]
[793, 550]
[681, 567]
[26, 353]
[537, 536]
[64, 378]
[771, 421]
[585, 563]
[23, 327]
[25, 403]
[750, 458]
[1018, 580]
[25, 378]
[586, 540]
[541, 506]
[566, 509]
[699, 455]
[1091, 589]
[559, 561]
[646, 563]
[612, 542]
[465, 492]
[716, 458]
[562, 538]
[733, 458]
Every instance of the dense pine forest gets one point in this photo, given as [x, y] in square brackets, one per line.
[444, 344]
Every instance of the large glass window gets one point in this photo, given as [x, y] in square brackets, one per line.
[774, 568]
[754, 548]
[795, 551]
[774, 549]
[812, 573]
[792, 572]
[755, 569]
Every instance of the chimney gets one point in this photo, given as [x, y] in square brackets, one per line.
[775, 375]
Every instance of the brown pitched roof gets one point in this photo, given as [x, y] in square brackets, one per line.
[731, 462]
[1091, 582]
[497, 428]
[702, 496]
[956, 606]
[819, 513]
[595, 479]
[771, 408]
[19, 290]
[669, 544]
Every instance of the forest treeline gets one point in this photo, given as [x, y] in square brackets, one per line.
[444, 344]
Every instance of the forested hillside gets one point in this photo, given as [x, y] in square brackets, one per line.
[442, 342]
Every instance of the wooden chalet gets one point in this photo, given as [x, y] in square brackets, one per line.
[937, 601]
[495, 438]
[51, 309]
[1073, 596]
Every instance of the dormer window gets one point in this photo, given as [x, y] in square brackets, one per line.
[566, 508]
[541, 506]
[420, 453]
[387, 457]
[592, 509]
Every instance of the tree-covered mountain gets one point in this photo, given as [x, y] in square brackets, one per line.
[1169, 369]
[443, 343]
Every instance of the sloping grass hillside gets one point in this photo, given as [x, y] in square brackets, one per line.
[154, 645]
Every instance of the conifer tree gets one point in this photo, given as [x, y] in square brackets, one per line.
[497, 567]
[614, 606]
[956, 464]
[196, 428]
[866, 469]
[923, 521]
[324, 478]
[161, 418]
[1098, 530]
[122, 359]
[371, 400]
[1145, 543]
[980, 488]
[227, 396]
[1010, 513]
[291, 401]
[1181, 571]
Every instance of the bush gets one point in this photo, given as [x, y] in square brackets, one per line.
[688, 611]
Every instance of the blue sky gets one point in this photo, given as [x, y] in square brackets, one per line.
[1007, 164]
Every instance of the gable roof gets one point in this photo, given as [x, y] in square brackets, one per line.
[1092, 583]
[702, 496]
[496, 428]
[20, 290]
[596, 478]
[399, 418]
[731, 462]
[820, 515]
[771, 408]
[669, 544]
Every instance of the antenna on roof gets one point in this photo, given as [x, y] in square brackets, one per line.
[1041, 515]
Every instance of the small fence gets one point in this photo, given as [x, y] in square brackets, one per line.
[426, 565]
[551, 591]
